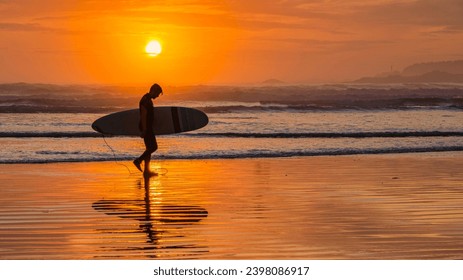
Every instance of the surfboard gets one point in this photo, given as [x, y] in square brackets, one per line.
[167, 120]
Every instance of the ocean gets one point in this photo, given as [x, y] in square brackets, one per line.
[287, 191]
[52, 123]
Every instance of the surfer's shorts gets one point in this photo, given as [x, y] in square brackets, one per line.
[150, 143]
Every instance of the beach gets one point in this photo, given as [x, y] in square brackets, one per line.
[389, 206]
[289, 138]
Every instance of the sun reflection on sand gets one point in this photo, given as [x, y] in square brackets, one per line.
[162, 222]
[350, 207]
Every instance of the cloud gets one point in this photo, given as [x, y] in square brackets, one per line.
[435, 31]
[327, 46]
[255, 14]
[341, 16]
[26, 27]
[420, 12]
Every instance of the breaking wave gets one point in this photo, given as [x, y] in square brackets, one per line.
[389, 134]
[40, 98]
[333, 134]
[230, 155]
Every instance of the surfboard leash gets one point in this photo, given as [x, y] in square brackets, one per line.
[114, 156]
[164, 170]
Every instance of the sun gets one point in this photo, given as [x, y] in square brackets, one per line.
[153, 48]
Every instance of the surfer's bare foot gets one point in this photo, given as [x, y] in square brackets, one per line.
[149, 174]
[137, 164]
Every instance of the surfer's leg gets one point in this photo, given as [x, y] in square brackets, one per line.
[137, 163]
[151, 146]
[147, 162]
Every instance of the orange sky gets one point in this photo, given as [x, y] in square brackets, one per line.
[214, 42]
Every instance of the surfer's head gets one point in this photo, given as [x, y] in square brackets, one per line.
[155, 91]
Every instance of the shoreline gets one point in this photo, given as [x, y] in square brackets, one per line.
[395, 153]
[393, 206]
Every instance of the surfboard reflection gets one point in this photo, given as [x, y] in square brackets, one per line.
[158, 221]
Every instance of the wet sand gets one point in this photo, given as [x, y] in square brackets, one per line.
[407, 206]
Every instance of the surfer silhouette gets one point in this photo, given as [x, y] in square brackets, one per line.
[146, 129]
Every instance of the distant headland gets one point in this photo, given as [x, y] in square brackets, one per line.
[428, 72]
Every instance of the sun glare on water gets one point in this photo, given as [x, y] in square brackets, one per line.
[153, 48]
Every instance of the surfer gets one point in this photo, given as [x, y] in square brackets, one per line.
[146, 129]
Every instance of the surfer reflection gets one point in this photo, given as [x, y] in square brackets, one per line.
[146, 129]
[157, 221]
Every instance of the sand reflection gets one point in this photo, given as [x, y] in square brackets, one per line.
[162, 224]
